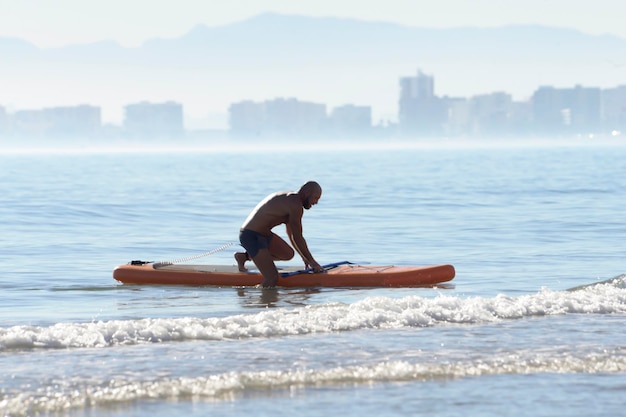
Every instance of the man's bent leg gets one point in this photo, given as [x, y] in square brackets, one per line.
[263, 260]
[252, 242]
[280, 250]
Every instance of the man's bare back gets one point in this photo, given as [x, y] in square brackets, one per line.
[275, 209]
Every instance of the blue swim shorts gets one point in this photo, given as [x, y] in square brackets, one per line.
[254, 241]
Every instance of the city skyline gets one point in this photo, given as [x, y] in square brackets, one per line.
[330, 60]
[576, 110]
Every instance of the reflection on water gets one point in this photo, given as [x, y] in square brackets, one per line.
[273, 298]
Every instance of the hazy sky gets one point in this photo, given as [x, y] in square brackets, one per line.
[53, 23]
[130, 22]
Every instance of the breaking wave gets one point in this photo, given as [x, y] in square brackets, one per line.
[85, 393]
[370, 313]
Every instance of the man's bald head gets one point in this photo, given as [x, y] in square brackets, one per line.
[310, 193]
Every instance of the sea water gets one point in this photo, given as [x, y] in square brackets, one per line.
[532, 324]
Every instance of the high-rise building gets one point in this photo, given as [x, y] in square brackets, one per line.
[547, 110]
[83, 120]
[490, 114]
[459, 117]
[70, 121]
[421, 112]
[614, 110]
[154, 120]
[4, 122]
[246, 118]
[350, 119]
[420, 87]
[278, 117]
[567, 110]
[291, 116]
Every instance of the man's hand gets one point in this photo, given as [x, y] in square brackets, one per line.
[317, 268]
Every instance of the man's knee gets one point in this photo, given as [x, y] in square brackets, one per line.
[280, 249]
[284, 254]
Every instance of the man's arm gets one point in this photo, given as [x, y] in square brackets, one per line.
[295, 244]
[294, 231]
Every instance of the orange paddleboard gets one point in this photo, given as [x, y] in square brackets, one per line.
[339, 274]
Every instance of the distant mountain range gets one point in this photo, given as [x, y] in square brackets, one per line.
[326, 60]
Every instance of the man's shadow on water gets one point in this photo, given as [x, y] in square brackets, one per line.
[274, 298]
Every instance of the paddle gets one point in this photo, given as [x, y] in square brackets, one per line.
[310, 270]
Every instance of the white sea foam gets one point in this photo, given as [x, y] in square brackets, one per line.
[369, 313]
[80, 394]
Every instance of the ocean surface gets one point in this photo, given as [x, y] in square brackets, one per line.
[532, 325]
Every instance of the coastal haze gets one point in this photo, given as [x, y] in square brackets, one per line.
[334, 61]
[532, 323]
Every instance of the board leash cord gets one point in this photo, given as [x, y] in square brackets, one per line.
[160, 264]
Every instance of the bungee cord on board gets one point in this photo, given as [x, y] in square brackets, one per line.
[160, 264]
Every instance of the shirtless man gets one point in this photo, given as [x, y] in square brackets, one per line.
[263, 246]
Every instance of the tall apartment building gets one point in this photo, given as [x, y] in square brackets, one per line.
[291, 116]
[491, 114]
[614, 110]
[567, 110]
[154, 120]
[4, 122]
[420, 111]
[70, 121]
[246, 118]
[351, 120]
[278, 117]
